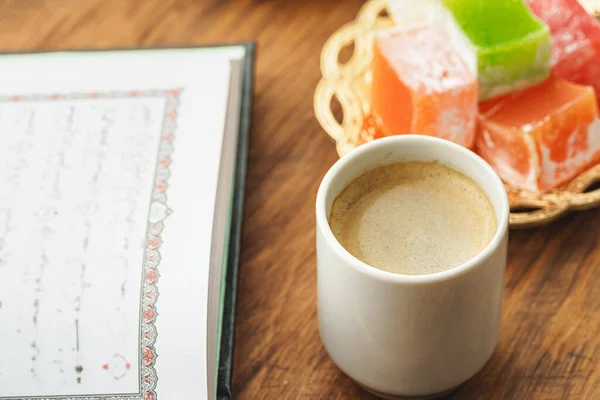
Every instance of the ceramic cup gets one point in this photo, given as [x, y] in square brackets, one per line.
[409, 335]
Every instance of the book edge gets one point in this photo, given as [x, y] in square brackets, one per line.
[226, 351]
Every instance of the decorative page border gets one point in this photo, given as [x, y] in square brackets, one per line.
[159, 210]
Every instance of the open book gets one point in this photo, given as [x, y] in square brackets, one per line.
[121, 189]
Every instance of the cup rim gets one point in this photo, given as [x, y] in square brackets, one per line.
[322, 219]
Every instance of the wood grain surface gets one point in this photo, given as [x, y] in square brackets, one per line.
[550, 342]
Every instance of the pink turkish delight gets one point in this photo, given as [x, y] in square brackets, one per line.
[575, 40]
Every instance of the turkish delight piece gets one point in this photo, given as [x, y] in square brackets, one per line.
[503, 43]
[507, 44]
[541, 137]
[421, 85]
[407, 13]
[575, 40]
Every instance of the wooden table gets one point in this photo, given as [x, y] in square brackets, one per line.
[550, 342]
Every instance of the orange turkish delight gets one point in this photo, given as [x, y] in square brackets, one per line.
[421, 85]
[541, 137]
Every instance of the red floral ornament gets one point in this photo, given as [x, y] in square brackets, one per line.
[151, 276]
[149, 314]
[161, 186]
[149, 396]
[154, 242]
[148, 356]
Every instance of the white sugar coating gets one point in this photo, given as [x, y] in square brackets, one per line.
[413, 218]
[424, 59]
[414, 13]
[551, 171]
[409, 13]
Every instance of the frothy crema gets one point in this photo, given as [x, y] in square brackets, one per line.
[413, 218]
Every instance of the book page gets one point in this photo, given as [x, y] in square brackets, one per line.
[107, 192]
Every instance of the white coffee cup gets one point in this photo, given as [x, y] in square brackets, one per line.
[409, 335]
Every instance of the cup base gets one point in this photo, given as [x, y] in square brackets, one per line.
[400, 397]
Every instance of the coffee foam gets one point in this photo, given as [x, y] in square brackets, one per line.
[413, 218]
